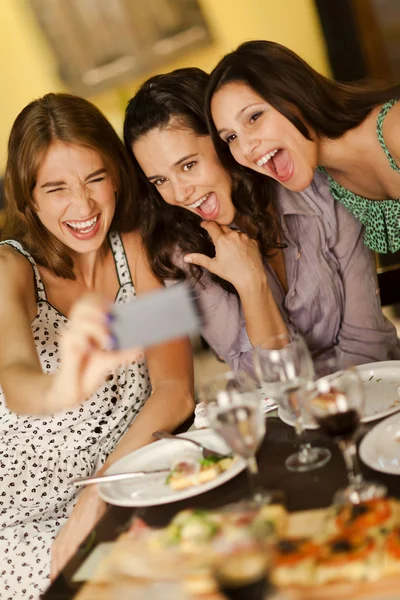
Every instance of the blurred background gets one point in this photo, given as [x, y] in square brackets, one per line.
[104, 49]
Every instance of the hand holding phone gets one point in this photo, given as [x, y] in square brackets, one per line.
[156, 317]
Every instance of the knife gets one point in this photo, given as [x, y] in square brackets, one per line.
[117, 477]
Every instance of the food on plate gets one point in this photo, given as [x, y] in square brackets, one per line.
[353, 543]
[191, 546]
[391, 553]
[316, 554]
[375, 517]
[232, 527]
[186, 473]
[294, 561]
[347, 557]
[190, 529]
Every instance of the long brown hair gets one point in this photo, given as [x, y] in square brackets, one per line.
[72, 120]
[165, 228]
[296, 90]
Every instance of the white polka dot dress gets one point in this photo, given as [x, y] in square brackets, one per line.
[40, 455]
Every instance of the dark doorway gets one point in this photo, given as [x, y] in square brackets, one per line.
[363, 41]
[362, 37]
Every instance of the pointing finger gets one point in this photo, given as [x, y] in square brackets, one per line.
[199, 259]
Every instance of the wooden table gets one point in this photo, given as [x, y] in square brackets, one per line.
[303, 491]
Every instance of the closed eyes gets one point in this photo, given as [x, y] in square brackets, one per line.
[63, 189]
[56, 190]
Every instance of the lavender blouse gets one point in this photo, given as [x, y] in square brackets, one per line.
[333, 296]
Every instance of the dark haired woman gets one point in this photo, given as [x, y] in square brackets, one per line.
[283, 119]
[297, 261]
[67, 399]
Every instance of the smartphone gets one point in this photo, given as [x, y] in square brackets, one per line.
[156, 317]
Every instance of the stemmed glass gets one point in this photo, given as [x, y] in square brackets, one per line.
[235, 411]
[337, 404]
[285, 368]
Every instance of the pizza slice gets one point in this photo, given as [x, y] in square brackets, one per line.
[375, 517]
[294, 561]
[391, 553]
[348, 557]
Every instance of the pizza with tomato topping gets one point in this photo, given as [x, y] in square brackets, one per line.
[348, 557]
[376, 517]
[294, 561]
[391, 554]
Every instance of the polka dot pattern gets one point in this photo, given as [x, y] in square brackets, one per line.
[39, 456]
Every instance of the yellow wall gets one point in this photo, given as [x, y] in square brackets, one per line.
[28, 69]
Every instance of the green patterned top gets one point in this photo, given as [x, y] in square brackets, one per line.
[381, 218]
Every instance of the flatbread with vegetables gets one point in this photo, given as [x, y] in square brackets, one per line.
[185, 474]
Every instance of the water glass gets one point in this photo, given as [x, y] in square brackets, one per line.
[235, 411]
[285, 369]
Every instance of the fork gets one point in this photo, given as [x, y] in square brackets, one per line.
[206, 452]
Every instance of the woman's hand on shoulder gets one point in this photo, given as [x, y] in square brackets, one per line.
[87, 352]
[237, 257]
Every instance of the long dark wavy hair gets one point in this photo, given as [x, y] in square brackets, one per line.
[165, 228]
[296, 90]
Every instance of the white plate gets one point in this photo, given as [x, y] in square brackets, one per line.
[200, 412]
[380, 449]
[152, 489]
[382, 397]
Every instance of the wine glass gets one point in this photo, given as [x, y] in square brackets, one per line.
[337, 404]
[235, 411]
[285, 368]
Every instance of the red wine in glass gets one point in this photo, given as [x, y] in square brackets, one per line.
[337, 405]
[340, 425]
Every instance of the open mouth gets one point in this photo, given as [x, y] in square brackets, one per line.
[266, 158]
[83, 227]
[277, 162]
[199, 202]
[207, 206]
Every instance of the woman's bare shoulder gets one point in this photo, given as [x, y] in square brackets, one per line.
[12, 260]
[139, 265]
[132, 240]
[134, 249]
[15, 268]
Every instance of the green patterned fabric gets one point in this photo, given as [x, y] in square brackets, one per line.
[381, 218]
[379, 122]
